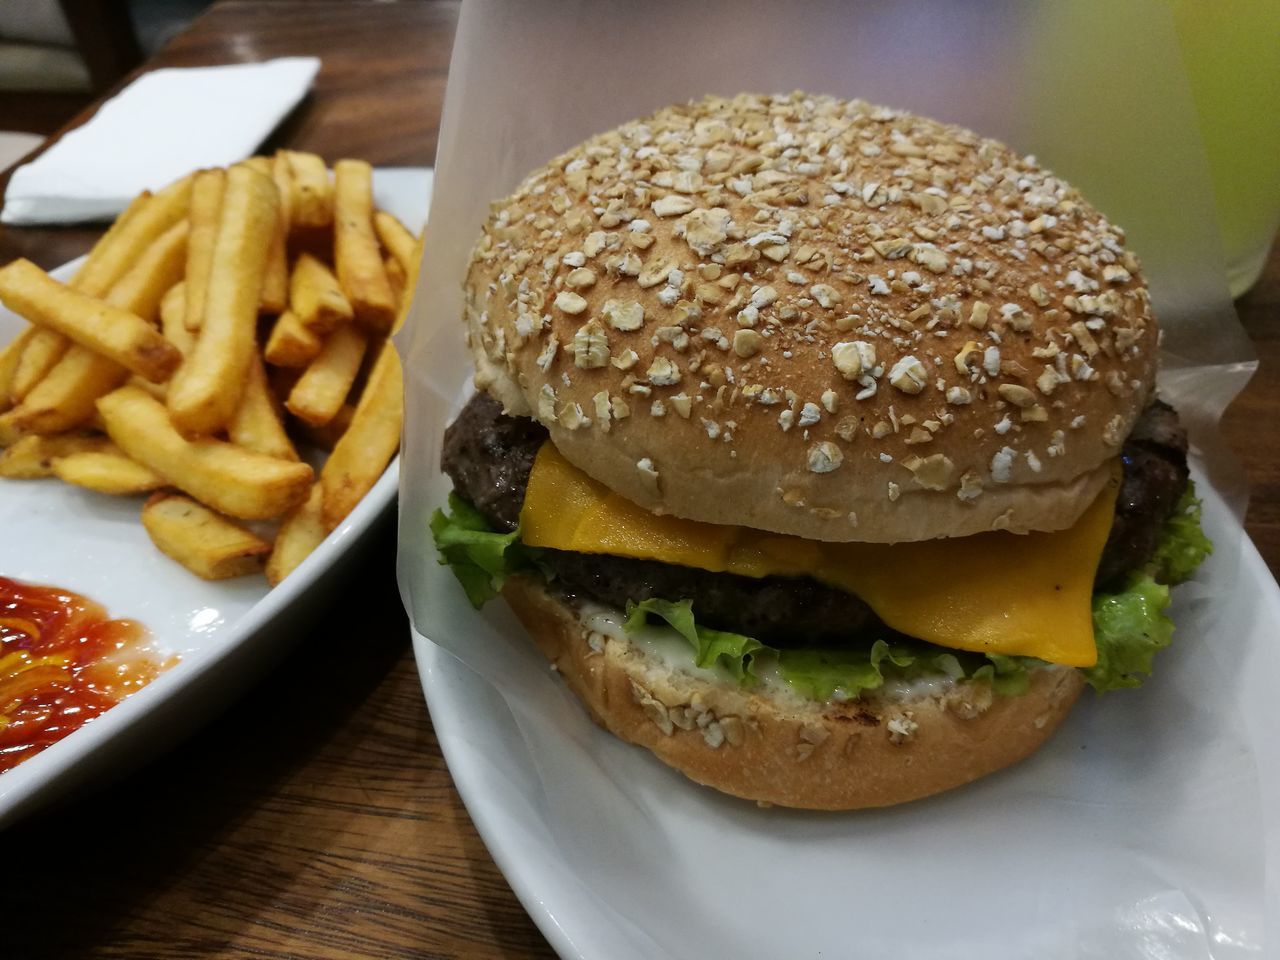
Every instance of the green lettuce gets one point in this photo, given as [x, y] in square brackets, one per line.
[822, 673]
[1007, 675]
[1183, 545]
[1129, 627]
[480, 558]
[732, 651]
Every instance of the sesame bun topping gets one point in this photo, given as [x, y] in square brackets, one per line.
[817, 317]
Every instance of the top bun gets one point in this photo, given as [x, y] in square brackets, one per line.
[817, 317]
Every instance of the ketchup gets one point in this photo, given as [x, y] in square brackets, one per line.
[62, 663]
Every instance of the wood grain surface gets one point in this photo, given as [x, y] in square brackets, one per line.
[315, 818]
[1251, 422]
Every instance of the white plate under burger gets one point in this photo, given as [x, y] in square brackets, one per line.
[1142, 829]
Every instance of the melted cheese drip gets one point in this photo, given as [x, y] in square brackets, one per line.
[1018, 595]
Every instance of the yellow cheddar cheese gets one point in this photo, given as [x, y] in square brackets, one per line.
[1018, 595]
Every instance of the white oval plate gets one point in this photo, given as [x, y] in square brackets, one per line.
[1149, 826]
[224, 632]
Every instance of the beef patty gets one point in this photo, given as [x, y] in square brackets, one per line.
[489, 455]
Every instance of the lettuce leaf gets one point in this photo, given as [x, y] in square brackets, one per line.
[1183, 545]
[480, 558]
[1129, 628]
[845, 673]
[824, 673]
[1007, 675]
[733, 651]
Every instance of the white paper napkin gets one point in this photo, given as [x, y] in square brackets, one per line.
[163, 125]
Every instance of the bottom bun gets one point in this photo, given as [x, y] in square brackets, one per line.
[768, 745]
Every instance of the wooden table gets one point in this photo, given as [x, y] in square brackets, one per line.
[316, 817]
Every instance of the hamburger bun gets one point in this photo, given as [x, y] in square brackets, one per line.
[762, 744]
[816, 317]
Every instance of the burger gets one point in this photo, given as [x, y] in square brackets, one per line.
[816, 445]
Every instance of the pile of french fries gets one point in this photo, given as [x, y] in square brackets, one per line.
[218, 326]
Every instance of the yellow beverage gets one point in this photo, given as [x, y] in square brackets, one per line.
[1231, 51]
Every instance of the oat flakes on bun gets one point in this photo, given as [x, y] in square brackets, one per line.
[816, 444]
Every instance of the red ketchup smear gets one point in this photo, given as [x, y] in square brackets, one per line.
[62, 663]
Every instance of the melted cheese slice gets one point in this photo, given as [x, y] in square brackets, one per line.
[1019, 595]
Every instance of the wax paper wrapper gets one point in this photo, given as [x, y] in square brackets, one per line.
[1141, 829]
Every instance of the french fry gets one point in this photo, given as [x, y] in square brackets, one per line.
[106, 471]
[398, 280]
[274, 298]
[119, 249]
[206, 202]
[228, 478]
[65, 398]
[283, 176]
[302, 531]
[10, 357]
[116, 334]
[370, 442]
[173, 308]
[143, 286]
[275, 281]
[256, 424]
[158, 390]
[107, 245]
[43, 350]
[32, 456]
[355, 247]
[396, 239]
[10, 431]
[291, 343]
[315, 296]
[205, 391]
[320, 391]
[210, 546]
[173, 318]
[258, 164]
[142, 222]
[410, 285]
[311, 193]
